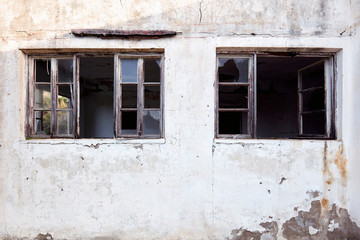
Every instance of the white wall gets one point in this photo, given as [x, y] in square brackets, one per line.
[187, 185]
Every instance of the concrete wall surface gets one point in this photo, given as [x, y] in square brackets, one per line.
[189, 184]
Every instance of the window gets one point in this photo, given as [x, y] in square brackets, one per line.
[275, 95]
[95, 96]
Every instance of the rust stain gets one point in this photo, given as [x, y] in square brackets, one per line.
[324, 206]
[341, 163]
[326, 168]
[328, 182]
[325, 203]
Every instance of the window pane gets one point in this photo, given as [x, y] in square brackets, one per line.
[314, 123]
[152, 70]
[65, 70]
[43, 70]
[42, 96]
[128, 122]
[129, 70]
[42, 122]
[313, 76]
[233, 97]
[152, 122]
[233, 70]
[64, 122]
[152, 96]
[313, 100]
[233, 122]
[64, 97]
[129, 96]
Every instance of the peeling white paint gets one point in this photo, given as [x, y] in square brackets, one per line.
[313, 231]
[333, 225]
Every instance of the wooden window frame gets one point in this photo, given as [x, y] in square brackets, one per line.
[140, 95]
[250, 85]
[30, 131]
[328, 87]
[54, 57]
[330, 92]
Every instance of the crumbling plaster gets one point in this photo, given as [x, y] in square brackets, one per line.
[187, 185]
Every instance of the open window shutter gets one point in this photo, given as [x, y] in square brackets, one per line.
[314, 99]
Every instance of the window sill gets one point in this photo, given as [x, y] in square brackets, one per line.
[267, 140]
[94, 141]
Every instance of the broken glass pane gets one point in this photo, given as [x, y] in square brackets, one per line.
[152, 70]
[42, 96]
[43, 70]
[233, 122]
[64, 122]
[65, 70]
[64, 97]
[128, 122]
[152, 122]
[129, 70]
[129, 96]
[152, 96]
[42, 122]
[233, 70]
[233, 97]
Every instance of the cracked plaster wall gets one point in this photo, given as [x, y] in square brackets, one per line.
[187, 185]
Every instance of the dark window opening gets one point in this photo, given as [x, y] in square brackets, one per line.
[232, 123]
[278, 97]
[96, 97]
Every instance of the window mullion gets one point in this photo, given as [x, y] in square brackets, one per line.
[76, 105]
[161, 96]
[300, 125]
[217, 98]
[327, 88]
[53, 96]
[117, 96]
[140, 101]
[252, 102]
[31, 97]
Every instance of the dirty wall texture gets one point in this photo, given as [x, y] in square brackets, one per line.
[187, 185]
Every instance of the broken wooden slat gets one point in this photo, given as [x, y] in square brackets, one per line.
[123, 34]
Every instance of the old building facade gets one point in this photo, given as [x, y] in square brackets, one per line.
[132, 119]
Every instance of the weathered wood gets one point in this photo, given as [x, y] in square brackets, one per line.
[251, 95]
[123, 34]
[140, 95]
[53, 80]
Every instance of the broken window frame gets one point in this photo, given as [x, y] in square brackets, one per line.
[250, 85]
[328, 64]
[140, 108]
[330, 92]
[54, 57]
[53, 72]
